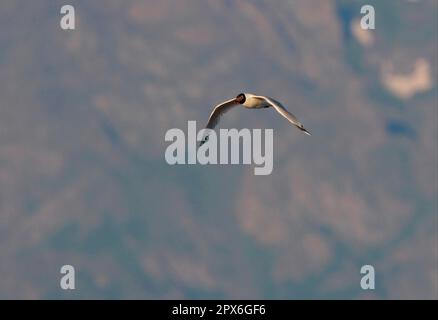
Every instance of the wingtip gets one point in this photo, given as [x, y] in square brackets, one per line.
[204, 140]
[306, 132]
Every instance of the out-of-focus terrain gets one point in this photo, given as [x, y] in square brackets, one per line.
[83, 180]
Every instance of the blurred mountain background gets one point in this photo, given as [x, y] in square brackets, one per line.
[83, 180]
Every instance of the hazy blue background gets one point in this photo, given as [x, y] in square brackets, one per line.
[83, 180]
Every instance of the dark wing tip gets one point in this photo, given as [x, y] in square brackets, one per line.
[305, 131]
[203, 141]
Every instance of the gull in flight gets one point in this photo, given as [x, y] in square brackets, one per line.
[250, 101]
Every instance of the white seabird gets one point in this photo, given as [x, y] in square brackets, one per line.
[251, 101]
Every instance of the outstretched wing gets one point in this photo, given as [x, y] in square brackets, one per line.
[218, 111]
[215, 115]
[289, 116]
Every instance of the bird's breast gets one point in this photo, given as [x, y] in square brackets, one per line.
[254, 103]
